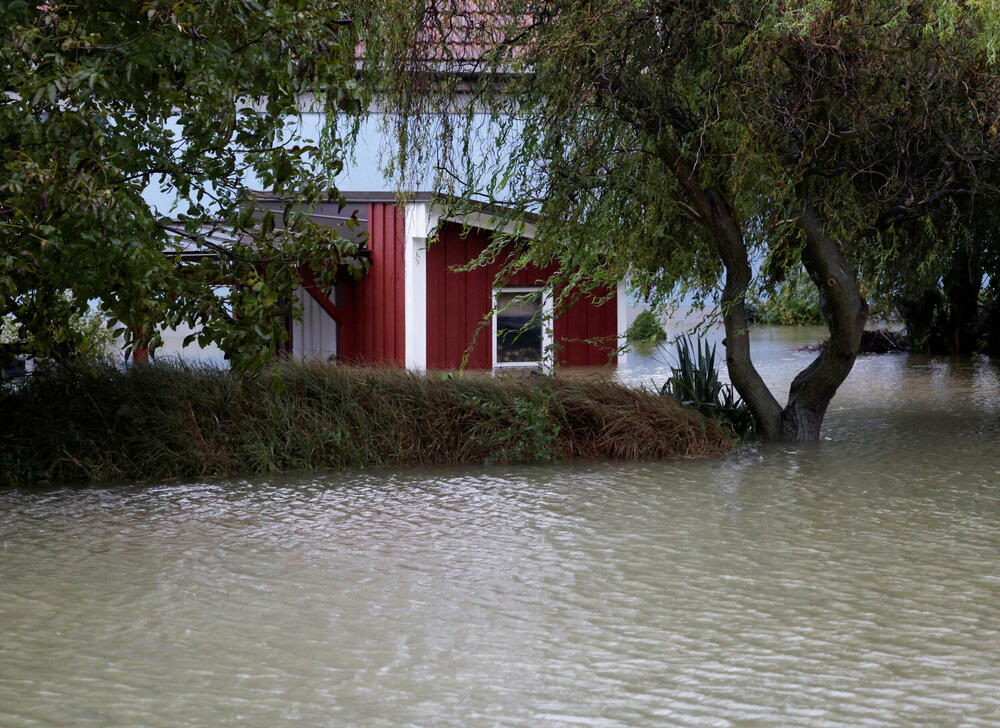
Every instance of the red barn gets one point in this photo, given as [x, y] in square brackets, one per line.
[414, 308]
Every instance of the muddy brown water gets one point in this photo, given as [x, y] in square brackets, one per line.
[855, 582]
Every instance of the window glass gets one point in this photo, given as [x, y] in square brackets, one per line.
[519, 327]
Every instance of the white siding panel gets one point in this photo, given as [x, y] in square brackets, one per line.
[418, 225]
[315, 336]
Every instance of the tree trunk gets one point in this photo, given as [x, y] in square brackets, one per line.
[841, 302]
[845, 312]
[843, 307]
[743, 374]
[962, 283]
[711, 208]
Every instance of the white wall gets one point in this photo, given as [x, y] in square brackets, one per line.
[419, 223]
[173, 347]
[315, 336]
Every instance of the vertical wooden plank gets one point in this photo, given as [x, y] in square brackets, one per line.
[576, 325]
[399, 318]
[590, 328]
[454, 312]
[392, 290]
[560, 332]
[440, 324]
[488, 283]
[609, 327]
[347, 335]
[585, 314]
[467, 296]
[362, 314]
[388, 285]
[572, 331]
[593, 316]
[475, 291]
[376, 294]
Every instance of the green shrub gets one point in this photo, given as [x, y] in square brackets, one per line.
[694, 383]
[645, 333]
[523, 431]
[87, 338]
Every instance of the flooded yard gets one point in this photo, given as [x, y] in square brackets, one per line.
[854, 582]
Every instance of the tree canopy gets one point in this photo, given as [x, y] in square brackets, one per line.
[677, 142]
[110, 105]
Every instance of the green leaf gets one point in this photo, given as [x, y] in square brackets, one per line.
[102, 104]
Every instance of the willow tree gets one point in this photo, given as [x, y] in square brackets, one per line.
[675, 142]
[108, 107]
[941, 273]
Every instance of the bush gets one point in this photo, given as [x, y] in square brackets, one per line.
[694, 383]
[171, 420]
[645, 333]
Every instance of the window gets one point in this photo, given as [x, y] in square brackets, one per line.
[520, 335]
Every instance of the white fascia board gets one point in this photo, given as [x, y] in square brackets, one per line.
[419, 223]
[488, 222]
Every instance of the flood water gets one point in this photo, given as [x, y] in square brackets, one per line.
[855, 582]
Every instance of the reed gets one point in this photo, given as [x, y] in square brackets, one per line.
[175, 420]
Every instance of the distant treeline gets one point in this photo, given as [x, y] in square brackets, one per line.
[169, 420]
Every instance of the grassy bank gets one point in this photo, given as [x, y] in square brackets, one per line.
[175, 421]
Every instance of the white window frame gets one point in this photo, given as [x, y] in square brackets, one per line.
[547, 348]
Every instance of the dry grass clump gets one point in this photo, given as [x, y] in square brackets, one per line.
[609, 420]
[175, 420]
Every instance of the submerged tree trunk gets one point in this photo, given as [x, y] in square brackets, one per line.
[712, 209]
[743, 374]
[843, 308]
[962, 283]
[845, 312]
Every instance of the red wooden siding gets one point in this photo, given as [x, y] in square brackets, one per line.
[457, 305]
[374, 306]
[457, 302]
[588, 332]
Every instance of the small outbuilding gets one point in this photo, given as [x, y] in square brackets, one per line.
[417, 308]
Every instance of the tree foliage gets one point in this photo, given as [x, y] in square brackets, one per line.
[941, 273]
[791, 302]
[109, 104]
[675, 142]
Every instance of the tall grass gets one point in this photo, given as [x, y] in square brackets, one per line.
[161, 421]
